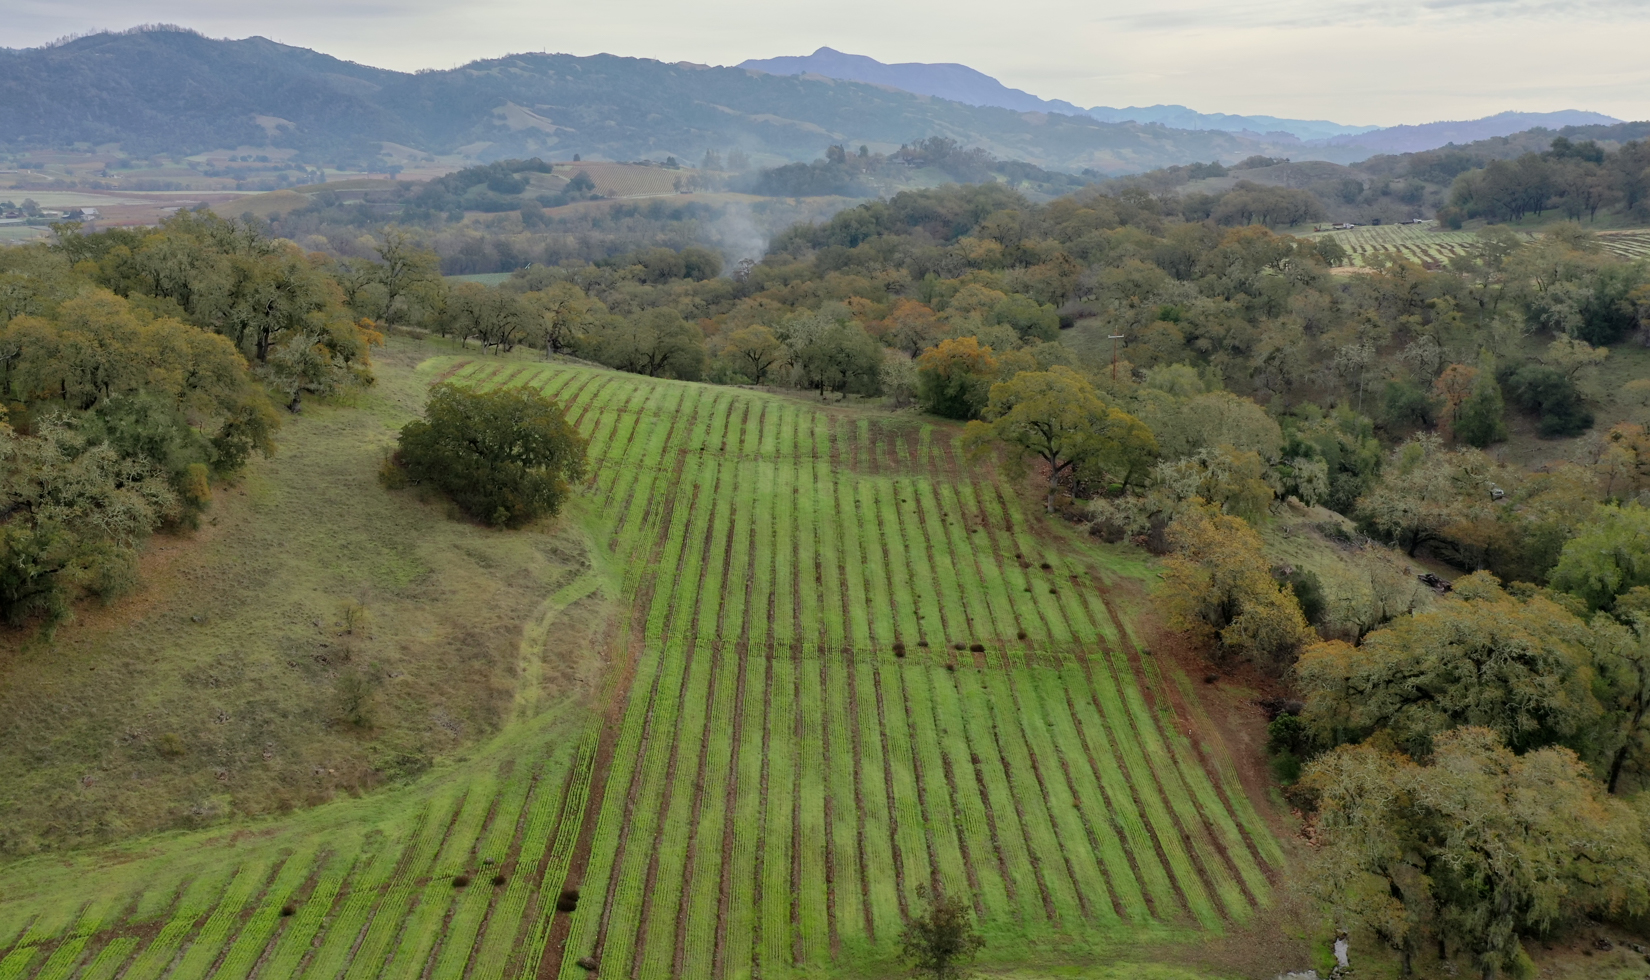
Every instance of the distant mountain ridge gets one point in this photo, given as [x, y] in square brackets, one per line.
[960, 83]
[169, 90]
[174, 91]
[1430, 136]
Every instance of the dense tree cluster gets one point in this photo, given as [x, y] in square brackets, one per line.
[136, 369]
[1577, 178]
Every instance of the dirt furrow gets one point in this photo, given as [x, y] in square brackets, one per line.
[1152, 780]
[893, 808]
[1037, 766]
[1148, 692]
[1020, 813]
[1117, 826]
[859, 799]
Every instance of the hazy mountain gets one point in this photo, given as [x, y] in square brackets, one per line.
[171, 90]
[961, 83]
[1180, 117]
[1428, 136]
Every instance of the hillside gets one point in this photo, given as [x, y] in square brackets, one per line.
[814, 704]
[174, 91]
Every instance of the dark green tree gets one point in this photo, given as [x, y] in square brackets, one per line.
[1480, 422]
[506, 457]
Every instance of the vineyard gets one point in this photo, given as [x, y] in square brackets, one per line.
[1433, 248]
[1627, 244]
[853, 669]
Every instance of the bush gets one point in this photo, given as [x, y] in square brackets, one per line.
[1408, 407]
[506, 457]
[354, 694]
[1286, 733]
[1544, 390]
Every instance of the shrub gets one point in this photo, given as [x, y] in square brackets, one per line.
[943, 940]
[461, 881]
[1408, 407]
[506, 457]
[354, 695]
[1545, 390]
[1308, 592]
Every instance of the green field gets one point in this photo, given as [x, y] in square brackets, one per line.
[1432, 246]
[768, 783]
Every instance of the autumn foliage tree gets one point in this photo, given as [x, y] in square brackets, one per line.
[955, 376]
[1520, 667]
[1217, 587]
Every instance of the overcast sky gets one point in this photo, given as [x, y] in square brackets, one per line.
[1377, 62]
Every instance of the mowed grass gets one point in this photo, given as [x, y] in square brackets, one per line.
[853, 668]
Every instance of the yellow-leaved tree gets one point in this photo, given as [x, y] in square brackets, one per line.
[1057, 417]
[1217, 588]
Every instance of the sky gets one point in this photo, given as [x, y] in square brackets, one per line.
[1376, 62]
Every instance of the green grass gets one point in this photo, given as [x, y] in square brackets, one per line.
[765, 788]
[208, 693]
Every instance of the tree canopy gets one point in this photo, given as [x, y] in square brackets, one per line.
[506, 457]
[1057, 418]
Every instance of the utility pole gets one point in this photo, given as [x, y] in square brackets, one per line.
[1114, 338]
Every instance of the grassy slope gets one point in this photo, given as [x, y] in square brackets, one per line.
[372, 880]
[210, 692]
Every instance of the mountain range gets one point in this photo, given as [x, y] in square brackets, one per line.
[170, 90]
[961, 83]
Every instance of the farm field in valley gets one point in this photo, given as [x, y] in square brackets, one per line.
[852, 668]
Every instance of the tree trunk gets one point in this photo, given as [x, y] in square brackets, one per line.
[1620, 760]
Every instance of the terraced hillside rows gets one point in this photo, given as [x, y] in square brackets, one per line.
[851, 669]
[1434, 247]
[1425, 244]
[1627, 244]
